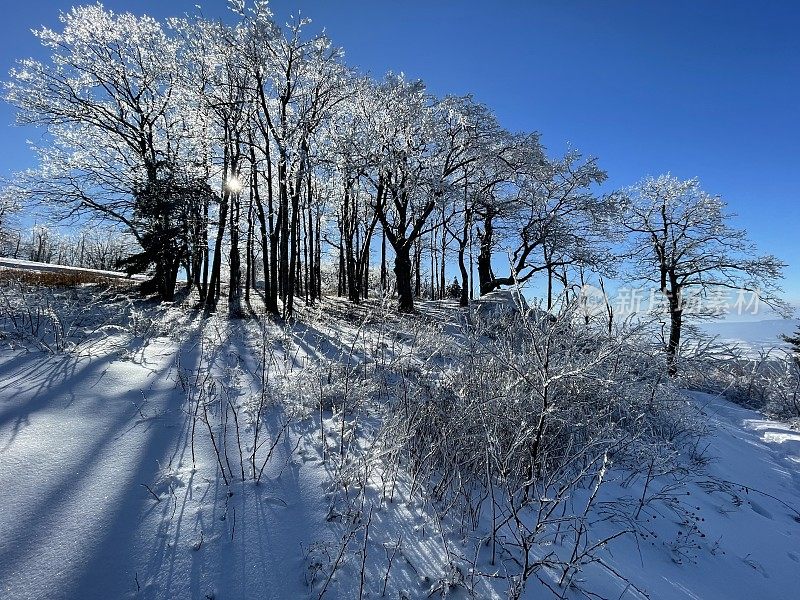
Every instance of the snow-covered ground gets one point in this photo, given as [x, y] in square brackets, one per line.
[746, 510]
[104, 495]
[82, 437]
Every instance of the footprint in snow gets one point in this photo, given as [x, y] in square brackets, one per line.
[760, 510]
[794, 556]
[756, 566]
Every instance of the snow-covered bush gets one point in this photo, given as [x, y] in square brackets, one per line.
[57, 312]
[768, 381]
[500, 305]
[521, 430]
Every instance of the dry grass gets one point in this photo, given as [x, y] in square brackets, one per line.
[61, 279]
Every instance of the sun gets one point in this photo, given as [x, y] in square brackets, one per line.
[234, 183]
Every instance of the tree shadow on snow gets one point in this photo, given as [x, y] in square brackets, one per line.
[113, 425]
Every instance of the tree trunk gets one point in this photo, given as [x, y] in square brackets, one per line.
[283, 227]
[485, 275]
[270, 301]
[402, 271]
[384, 273]
[465, 282]
[294, 243]
[434, 263]
[342, 267]
[205, 249]
[235, 282]
[675, 325]
[213, 289]
[417, 269]
[463, 241]
[311, 283]
[318, 246]
[249, 266]
[306, 260]
[442, 277]
[272, 291]
[471, 268]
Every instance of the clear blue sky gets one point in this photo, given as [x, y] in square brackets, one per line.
[705, 88]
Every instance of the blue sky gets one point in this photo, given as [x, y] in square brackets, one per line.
[708, 89]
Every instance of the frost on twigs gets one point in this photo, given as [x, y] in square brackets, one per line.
[535, 440]
[61, 312]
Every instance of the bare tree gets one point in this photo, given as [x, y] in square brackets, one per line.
[162, 129]
[679, 239]
[402, 119]
[550, 208]
[298, 83]
[115, 135]
[9, 208]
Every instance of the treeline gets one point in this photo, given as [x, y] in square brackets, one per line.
[92, 249]
[257, 143]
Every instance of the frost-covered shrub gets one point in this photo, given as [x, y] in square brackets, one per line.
[498, 308]
[523, 426]
[768, 381]
[57, 313]
[783, 399]
[544, 391]
[338, 386]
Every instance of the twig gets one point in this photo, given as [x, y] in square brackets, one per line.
[345, 541]
[364, 555]
[147, 487]
[389, 565]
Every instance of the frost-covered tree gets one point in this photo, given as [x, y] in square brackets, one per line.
[402, 121]
[794, 344]
[9, 208]
[680, 240]
[114, 134]
[471, 146]
[298, 83]
[227, 99]
[424, 149]
[195, 133]
[352, 169]
[545, 219]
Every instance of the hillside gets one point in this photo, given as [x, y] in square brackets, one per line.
[163, 454]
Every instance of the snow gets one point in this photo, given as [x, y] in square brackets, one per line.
[87, 443]
[751, 335]
[749, 506]
[80, 439]
[28, 265]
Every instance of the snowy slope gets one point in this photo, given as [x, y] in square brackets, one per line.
[81, 437]
[746, 511]
[101, 497]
